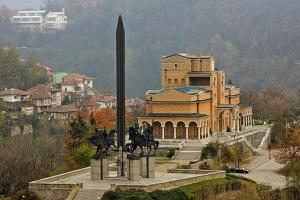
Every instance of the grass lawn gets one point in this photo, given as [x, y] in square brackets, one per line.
[188, 189]
[291, 169]
[162, 160]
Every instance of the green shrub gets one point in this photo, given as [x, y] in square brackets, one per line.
[174, 194]
[210, 151]
[171, 153]
[126, 195]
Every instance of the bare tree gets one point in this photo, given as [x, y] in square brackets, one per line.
[24, 159]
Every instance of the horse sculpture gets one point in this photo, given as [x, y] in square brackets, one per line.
[103, 141]
[141, 140]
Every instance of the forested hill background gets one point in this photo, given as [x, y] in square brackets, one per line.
[257, 42]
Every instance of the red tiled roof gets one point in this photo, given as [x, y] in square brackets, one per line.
[133, 102]
[13, 91]
[64, 109]
[40, 92]
[90, 102]
[108, 98]
[75, 78]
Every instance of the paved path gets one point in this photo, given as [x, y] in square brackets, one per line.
[262, 170]
[257, 139]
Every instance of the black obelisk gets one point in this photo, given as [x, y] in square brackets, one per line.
[120, 57]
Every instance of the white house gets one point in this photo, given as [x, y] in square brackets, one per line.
[27, 110]
[56, 20]
[40, 20]
[107, 101]
[13, 95]
[77, 83]
[29, 19]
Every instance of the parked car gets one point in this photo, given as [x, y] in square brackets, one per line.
[238, 170]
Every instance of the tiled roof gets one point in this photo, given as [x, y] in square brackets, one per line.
[64, 109]
[133, 102]
[13, 91]
[188, 55]
[108, 98]
[75, 78]
[190, 89]
[154, 91]
[40, 92]
[170, 115]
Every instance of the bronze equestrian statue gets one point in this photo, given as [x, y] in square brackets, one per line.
[103, 141]
[141, 140]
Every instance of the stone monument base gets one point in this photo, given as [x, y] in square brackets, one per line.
[148, 167]
[99, 169]
[134, 169]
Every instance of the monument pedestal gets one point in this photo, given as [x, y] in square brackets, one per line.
[99, 169]
[148, 167]
[134, 169]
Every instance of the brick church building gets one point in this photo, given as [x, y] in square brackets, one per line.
[194, 102]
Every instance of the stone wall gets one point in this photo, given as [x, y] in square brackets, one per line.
[47, 189]
[173, 184]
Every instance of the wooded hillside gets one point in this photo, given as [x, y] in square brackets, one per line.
[256, 42]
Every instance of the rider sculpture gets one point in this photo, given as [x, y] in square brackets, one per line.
[103, 141]
[144, 140]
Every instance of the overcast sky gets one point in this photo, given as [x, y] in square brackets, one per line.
[19, 4]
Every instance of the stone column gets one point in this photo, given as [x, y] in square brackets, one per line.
[207, 130]
[186, 132]
[163, 132]
[238, 125]
[99, 169]
[134, 169]
[199, 132]
[175, 132]
[202, 132]
[248, 120]
[148, 167]
[233, 126]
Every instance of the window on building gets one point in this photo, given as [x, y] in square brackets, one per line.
[169, 81]
[35, 19]
[176, 81]
[16, 19]
[66, 89]
[25, 19]
[15, 97]
[50, 19]
[200, 81]
[176, 65]
[183, 81]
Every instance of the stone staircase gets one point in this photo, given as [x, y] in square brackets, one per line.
[191, 151]
[89, 194]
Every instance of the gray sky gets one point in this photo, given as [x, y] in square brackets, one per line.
[19, 4]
